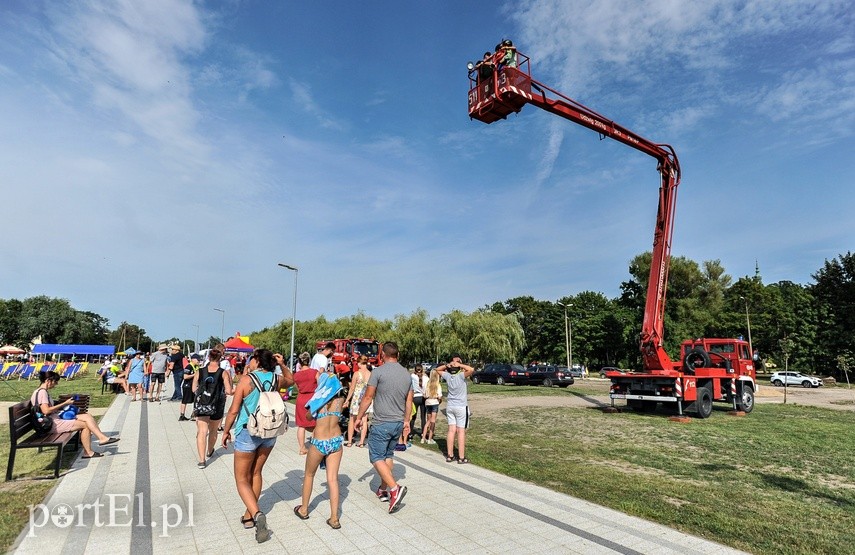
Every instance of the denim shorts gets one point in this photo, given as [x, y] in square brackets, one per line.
[382, 439]
[246, 443]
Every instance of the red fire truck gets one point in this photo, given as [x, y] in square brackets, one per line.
[347, 351]
[708, 369]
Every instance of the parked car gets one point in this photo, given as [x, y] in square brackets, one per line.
[605, 369]
[548, 375]
[577, 371]
[500, 374]
[794, 378]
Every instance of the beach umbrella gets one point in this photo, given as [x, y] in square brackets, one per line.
[11, 350]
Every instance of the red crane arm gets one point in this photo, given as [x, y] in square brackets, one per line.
[508, 90]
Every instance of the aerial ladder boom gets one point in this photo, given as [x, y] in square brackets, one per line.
[509, 89]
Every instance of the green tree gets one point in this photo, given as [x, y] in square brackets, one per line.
[414, 334]
[481, 336]
[834, 297]
[57, 322]
[128, 335]
[541, 325]
[10, 315]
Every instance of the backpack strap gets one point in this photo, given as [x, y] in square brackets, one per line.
[256, 383]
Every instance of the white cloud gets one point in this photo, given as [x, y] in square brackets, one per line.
[653, 48]
[302, 94]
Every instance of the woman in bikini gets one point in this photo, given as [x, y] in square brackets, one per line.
[354, 397]
[326, 443]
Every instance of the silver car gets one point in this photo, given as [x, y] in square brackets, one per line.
[794, 378]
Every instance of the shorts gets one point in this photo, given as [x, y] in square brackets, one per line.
[187, 395]
[382, 440]
[431, 409]
[158, 378]
[246, 443]
[458, 416]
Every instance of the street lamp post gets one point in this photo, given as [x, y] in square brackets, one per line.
[748, 322]
[223, 326]
[293, 312]
[568, 336]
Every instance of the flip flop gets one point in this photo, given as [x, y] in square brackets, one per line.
[300, 515]
[449, 459]
[262, 532]
[248, 523]
[110, 441]
[335, 525]
[464, 460]
[94, 455]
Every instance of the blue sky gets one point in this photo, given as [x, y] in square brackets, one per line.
[158, 159]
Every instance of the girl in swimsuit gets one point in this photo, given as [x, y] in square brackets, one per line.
[326, 444]
[354, 397]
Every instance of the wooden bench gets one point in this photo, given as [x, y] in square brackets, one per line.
[21, 426]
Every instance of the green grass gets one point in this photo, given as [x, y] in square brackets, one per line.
[31, 467]
[88, 382]
[779, 481]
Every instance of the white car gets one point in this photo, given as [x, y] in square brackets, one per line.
[794, 378]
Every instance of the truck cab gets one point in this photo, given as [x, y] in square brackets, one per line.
[734, 354]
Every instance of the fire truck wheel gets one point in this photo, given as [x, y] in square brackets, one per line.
[704, 402]
[746, 401]
[697, 357]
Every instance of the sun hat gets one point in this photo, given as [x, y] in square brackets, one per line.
[175, 347]
[161, 347]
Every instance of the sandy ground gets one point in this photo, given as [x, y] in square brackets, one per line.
[838, 398]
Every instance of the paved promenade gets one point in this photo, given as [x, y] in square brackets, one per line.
[147, 496]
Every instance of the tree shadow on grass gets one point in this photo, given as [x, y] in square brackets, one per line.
[801, 487]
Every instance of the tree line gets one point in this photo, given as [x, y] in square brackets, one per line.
[805, 327]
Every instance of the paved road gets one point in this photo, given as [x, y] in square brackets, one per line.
[147, 496]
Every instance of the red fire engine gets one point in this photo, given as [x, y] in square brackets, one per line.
[708, 369]
[347, 351]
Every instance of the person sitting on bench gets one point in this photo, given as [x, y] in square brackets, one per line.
[84, 423]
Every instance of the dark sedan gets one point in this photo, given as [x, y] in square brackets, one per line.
[548, 375]
[500, 374]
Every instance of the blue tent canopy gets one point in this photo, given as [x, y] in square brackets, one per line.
[45, 348]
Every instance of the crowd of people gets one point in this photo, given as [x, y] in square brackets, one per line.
[332, 413]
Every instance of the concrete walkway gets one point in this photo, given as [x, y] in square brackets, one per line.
[147, 496]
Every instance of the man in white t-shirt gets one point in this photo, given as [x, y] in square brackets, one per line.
[321, 359]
